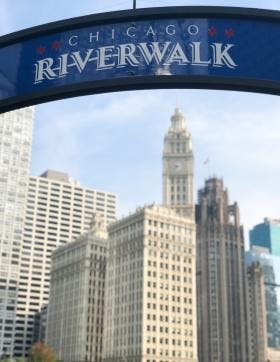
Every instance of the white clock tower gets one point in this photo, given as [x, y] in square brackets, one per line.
[178, 167]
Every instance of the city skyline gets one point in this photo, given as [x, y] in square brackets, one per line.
[230, 129]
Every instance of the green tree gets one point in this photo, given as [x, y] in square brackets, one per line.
[41, 353]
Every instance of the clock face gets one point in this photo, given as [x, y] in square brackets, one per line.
[177, 166]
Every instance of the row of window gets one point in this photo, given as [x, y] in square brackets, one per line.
[168, 308]
[67, 189]
[167, 297]
[167, 341]
[167, 319]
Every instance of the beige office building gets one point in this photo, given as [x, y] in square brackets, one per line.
[58, 210]
[256, 314]
[76, 305]
[150, 288]
[272, 355]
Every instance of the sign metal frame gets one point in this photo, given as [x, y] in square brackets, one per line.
[143, 82]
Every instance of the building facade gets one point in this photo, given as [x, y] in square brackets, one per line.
[221, 289]
[15, 154]
[256, 314]
[58, 210]
[270, 265]
[273, 355]
[40, 324]
[150, 298]
[76, 306]
[267, 235]
[178, 167]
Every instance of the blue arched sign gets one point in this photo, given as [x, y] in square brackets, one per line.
[178, 47]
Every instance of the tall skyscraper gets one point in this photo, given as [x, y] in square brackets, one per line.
[221, 292]
[58, 210]
[150, 297]
[178, 167]
[76, 307]
[15, 153]
[267, 235]
[265, 250]
[270, 265]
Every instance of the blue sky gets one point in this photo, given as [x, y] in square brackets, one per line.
[114, 141]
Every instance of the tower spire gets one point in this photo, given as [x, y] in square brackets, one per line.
[178, 121]
[178, 167]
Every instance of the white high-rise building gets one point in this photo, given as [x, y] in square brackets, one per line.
[15, 153]
[150, 300]
[58, 211]
[178, 167]
[76, 306]
[150, 282]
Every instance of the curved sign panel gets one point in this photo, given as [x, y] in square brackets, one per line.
[178, 47]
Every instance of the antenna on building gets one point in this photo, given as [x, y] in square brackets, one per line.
[207, 162]
[134, 4]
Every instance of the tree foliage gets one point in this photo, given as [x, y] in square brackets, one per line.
[41, 353]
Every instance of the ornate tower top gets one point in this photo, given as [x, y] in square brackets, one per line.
[213, 204]
[97, 226]
[178, 167]
[178, 121]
